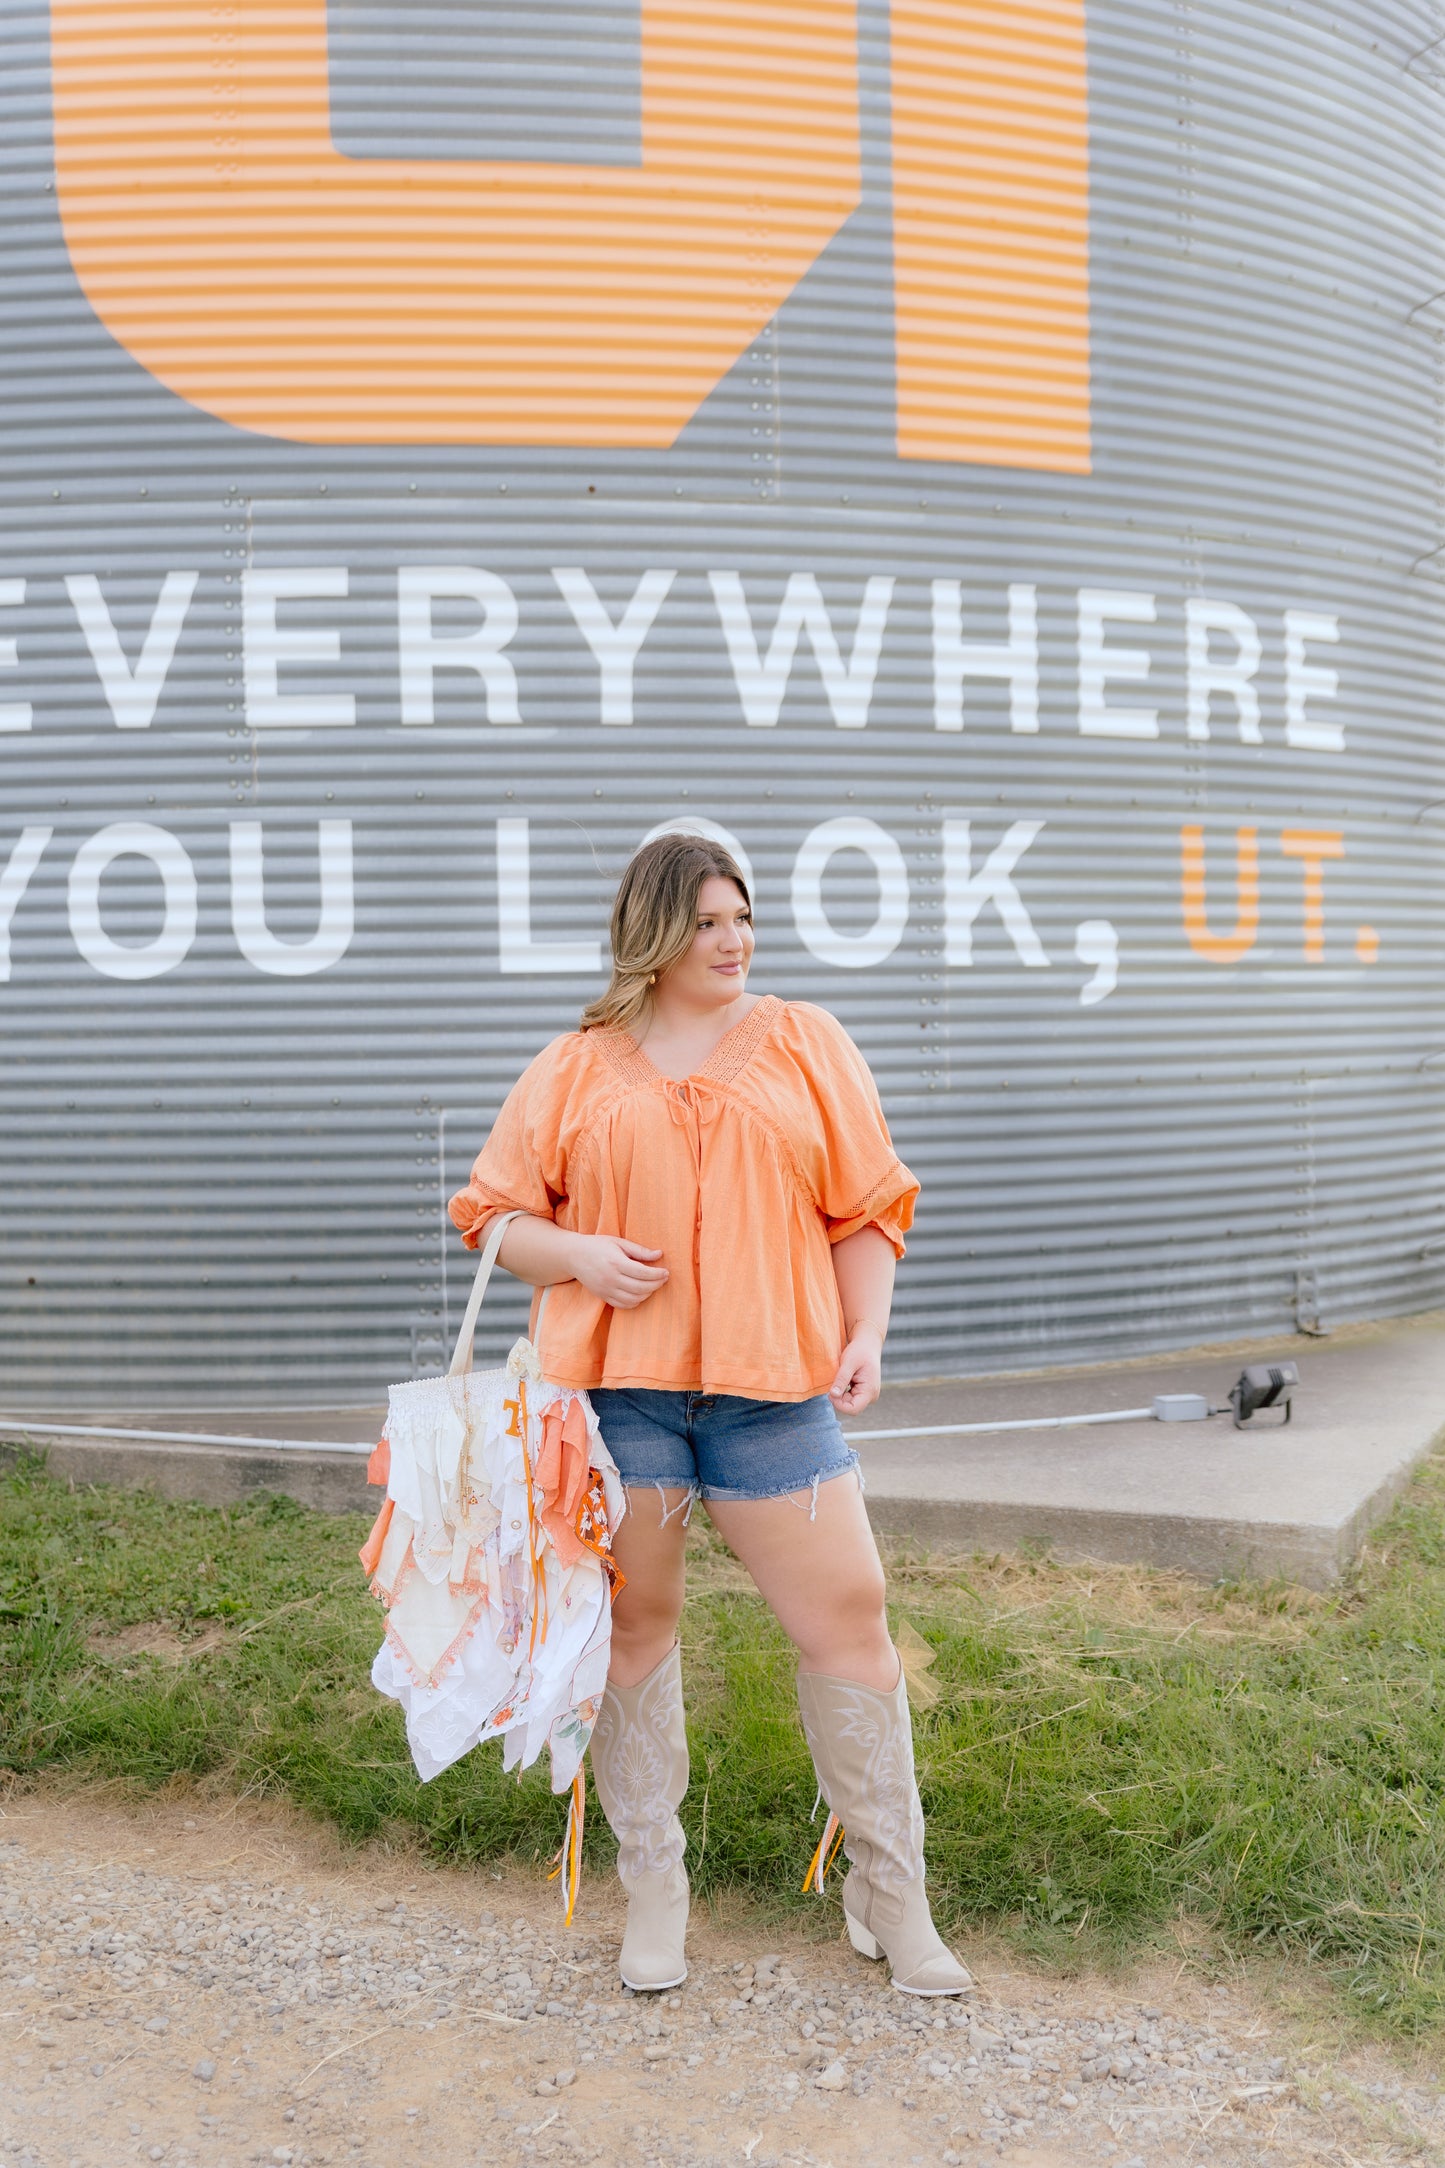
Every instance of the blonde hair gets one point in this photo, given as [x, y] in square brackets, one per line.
[654, 921]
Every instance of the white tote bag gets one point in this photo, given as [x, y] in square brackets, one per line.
[492, 1557]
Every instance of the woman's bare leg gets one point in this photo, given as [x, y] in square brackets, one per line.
[820, 1574]
[648, 1548]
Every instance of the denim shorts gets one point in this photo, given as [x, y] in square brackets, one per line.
[718, 1445]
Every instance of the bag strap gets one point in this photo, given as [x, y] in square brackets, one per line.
[462, 1354]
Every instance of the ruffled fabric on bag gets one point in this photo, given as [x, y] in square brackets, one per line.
[492, 1555]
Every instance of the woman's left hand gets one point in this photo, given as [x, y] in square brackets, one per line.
[859, 1376]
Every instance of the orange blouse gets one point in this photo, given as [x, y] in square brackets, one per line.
[742, 1176]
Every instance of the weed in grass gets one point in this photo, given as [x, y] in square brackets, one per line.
[1116, 1760]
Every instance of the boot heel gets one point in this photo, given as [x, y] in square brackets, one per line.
[865, 1944]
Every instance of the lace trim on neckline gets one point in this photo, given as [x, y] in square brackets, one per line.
[731, 1054]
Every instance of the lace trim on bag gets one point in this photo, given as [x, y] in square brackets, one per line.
[449, 1655]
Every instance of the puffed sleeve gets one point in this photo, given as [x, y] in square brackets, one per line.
[522, 1165]
[863, 1181]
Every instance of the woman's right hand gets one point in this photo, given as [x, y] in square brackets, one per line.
[617, 1271]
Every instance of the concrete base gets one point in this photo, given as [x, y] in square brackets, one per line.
[1271, 1501]
[1293, 1502]
[211, 1475]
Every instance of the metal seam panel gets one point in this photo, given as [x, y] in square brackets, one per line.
[224, 1183]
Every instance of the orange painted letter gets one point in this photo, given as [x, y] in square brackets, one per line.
[990, 231]
[1314, 846]
[247, 264]
[1220, 948]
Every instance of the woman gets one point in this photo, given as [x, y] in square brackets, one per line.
[715, 1203]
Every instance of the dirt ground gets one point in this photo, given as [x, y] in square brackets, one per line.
[210, 1984]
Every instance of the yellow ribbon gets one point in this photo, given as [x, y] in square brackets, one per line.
[824, 1857]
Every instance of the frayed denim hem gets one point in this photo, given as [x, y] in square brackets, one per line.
[662, 1484]
[790, 1491]
[684, 1505]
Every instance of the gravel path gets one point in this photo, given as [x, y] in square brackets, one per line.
[209, 1987]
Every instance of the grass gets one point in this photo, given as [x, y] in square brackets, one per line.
[1118, 1761]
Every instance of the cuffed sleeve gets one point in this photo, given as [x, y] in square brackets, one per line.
[891, 1214]
[521, 1167]
[862, 1181]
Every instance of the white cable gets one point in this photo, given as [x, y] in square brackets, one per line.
[323, 1445]
[10, 1424]
[1036, 1422]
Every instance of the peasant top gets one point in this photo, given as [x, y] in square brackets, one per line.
[743, 1176]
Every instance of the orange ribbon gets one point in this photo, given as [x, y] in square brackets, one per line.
[570, 1856]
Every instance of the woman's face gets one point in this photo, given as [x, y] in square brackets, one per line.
[715, 969]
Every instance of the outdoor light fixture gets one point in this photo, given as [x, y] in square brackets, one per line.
[1263, 1385]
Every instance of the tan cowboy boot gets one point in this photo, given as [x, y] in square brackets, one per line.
[639, 1764]
[862, 1747]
